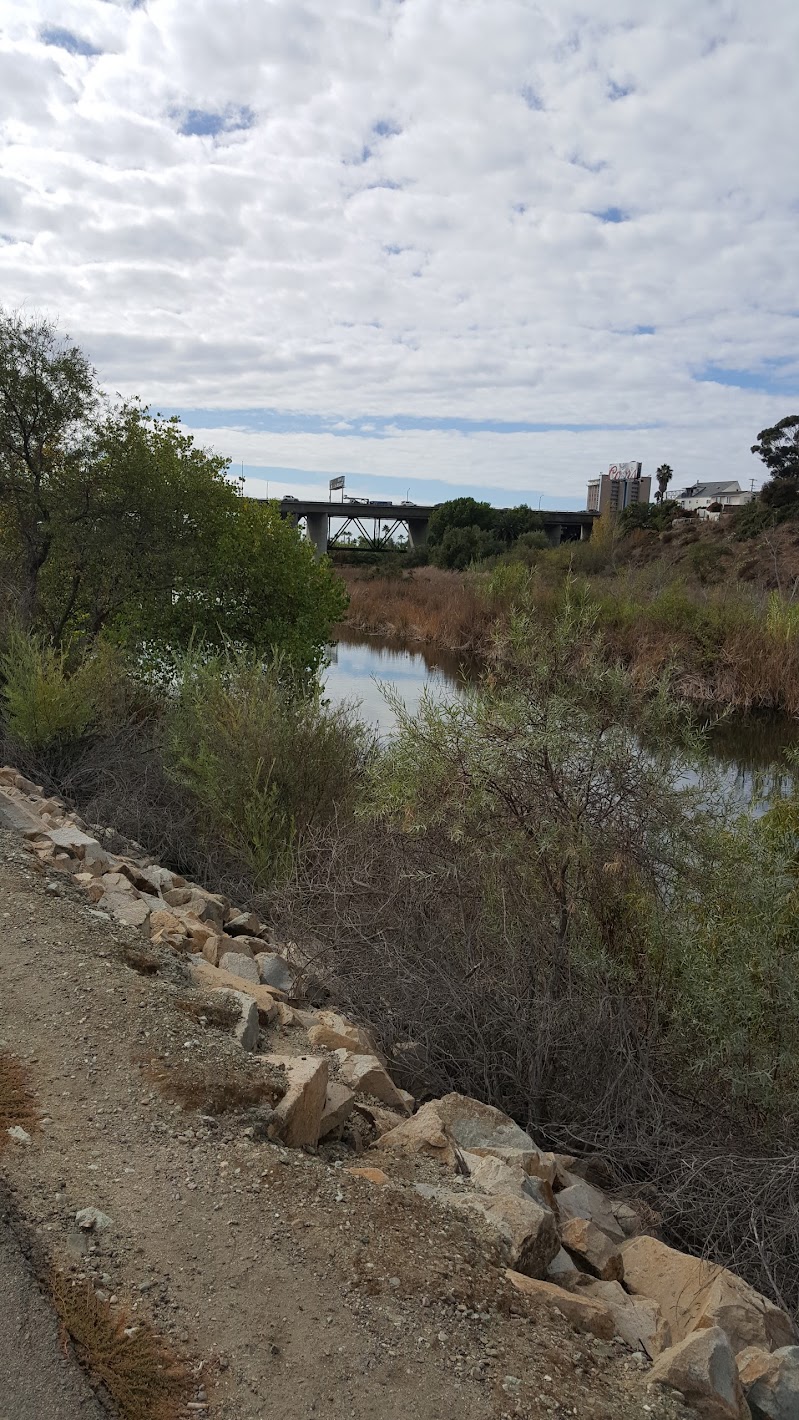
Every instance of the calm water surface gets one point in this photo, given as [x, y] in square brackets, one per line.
[751, 753]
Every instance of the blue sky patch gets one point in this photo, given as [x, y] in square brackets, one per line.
[531, 98]
[373, 426]
[204, 123]
[778, 376]
[611, 214]
[64, 39]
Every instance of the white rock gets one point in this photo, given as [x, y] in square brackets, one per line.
[90, 1218]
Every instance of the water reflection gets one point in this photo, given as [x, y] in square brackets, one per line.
[359, 666]
[751, 753]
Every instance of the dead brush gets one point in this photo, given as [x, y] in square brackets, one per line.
[218, 1086]
[143, 1376]
[17, 1101]
[140, 959]
[217, 1009]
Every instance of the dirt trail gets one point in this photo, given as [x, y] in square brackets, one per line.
[300, 1290]
[37, 1381]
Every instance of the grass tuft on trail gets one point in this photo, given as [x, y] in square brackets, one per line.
[17, 1101]
[143, 1376]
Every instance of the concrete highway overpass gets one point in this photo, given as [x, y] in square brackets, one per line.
[380, 521]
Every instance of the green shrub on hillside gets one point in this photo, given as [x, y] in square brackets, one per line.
[263, 760]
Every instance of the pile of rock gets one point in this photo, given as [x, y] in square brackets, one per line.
[567, 1243]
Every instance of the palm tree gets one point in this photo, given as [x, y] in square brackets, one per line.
[664, 476]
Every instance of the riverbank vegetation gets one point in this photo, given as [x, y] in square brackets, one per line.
[537, 894]
[714, 612]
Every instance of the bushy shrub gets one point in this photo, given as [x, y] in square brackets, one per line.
[55, 698]
[263, 759]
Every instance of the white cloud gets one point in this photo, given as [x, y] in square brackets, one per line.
[408, 226]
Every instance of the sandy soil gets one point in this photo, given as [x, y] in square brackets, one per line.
[296, 1289]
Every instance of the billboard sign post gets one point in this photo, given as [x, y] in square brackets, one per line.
[335, 484]
[624, 470]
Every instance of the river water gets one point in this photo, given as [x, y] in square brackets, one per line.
[751, 752]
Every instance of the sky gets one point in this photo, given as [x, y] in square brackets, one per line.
[443, 247]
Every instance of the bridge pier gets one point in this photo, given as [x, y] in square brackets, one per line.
[417, 531]
[318, 526]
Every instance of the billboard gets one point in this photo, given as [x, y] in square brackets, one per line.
[336, 483]
[625, 470]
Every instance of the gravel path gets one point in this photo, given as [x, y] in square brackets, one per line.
[293, 1288]
[37, 1381]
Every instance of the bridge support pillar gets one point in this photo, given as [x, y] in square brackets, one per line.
[585, 531]
[417, 532]
[554, 532]
[318, 525]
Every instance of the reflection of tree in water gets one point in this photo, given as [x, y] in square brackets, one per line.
[757, 755]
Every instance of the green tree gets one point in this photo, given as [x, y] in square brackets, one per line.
[664, 476]
[460, 546]
[512, 523]
[459, 513]
[48, 394]
[778, 447]
[115, 521]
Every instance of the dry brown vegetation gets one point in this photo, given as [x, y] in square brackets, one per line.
[17, 1101]
[217, 1009]
[118, 1348]
[222, 1085]
[718, 616]
[140, 959]
[442, 608]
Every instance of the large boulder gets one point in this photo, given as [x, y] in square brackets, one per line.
[443, 1128]
[585, 1313]
[239, 965]
[637, 1320]
[477, 1126]
[527, 1232]
[274, 970]
[297, 1118]
[213, 977]
[771, 1382]
[493, 1175]
[582, 1200]
[365, 1075]
[125, 907]
[335, 1032]
[593, 1248]
[247, 1027]
[196, 900]
[339, 1102]
[702, 1368]
[241, 924]
[693, 1293]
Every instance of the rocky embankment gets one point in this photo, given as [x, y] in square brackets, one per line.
[536, 1233]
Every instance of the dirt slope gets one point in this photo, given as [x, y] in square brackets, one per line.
[298, 1289]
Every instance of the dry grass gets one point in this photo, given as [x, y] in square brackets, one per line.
[428, 604]
[17, 1102]
[207, 1009]
[140, 959]
[143, 1376]
[215, 1086]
